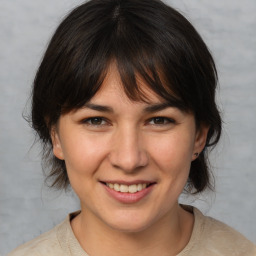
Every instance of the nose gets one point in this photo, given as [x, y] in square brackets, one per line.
[128, 153]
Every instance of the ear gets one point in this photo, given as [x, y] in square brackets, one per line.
[56, 144]
[200, 140]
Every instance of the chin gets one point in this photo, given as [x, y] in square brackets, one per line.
[130, 224]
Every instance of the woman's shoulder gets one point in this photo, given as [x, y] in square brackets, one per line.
[213, 237]
[46, 244]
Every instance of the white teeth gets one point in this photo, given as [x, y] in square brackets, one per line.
[133, 189]
[116, 187]
[139, 187]
[125, 188]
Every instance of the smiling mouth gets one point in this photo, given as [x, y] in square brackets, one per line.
[123, 188]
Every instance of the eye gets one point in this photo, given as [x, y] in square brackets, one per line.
[95, 121]
[159, 120]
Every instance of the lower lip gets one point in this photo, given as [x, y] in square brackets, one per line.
[128, 198]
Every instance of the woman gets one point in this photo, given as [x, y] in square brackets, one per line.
[124, 103]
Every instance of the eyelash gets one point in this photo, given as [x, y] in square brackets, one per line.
[88, 121]
[164, 120]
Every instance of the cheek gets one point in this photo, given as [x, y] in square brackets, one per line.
[83, 154]
[173, 154]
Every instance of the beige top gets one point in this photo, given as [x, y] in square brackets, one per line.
[209, 237]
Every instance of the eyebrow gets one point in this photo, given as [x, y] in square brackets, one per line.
[158, 107]
[148, 109]
[100, 108]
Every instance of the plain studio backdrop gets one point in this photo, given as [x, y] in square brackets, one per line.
[28, 208]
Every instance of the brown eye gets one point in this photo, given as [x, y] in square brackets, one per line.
[160, 120]
[95, 121]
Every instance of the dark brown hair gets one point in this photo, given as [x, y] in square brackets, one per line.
[145, 38]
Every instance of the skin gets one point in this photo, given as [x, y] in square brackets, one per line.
[128, 143]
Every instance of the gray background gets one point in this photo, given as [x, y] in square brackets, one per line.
[28, 208]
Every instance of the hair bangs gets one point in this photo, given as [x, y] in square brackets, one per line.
[121, 42]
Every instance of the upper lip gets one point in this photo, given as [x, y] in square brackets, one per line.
[128, 182]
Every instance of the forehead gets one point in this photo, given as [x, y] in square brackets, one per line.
[113, 88]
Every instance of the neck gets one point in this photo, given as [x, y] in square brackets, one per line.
[168, 236]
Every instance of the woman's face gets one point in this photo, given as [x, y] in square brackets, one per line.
[143, 149]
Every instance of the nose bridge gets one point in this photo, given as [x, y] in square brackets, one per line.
[128, 152]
